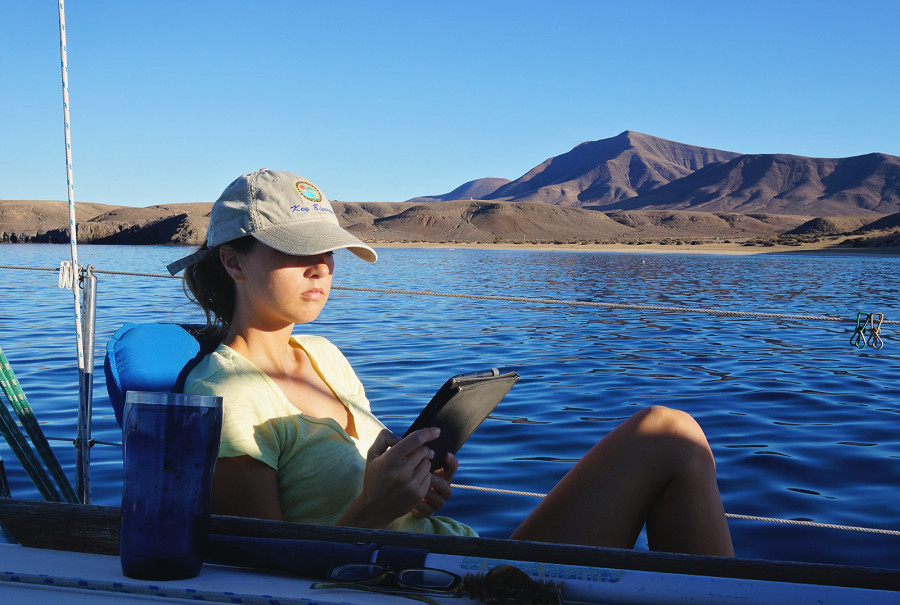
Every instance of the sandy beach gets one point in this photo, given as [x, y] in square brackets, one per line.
[825, 246]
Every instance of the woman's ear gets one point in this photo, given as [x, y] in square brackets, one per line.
[231, 260]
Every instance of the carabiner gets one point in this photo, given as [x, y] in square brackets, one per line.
[858, 339]
[874, 340]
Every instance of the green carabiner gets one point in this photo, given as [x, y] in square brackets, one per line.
[858, 339]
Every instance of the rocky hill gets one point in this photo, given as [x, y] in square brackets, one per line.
[47, 222]
[634, 171]
[782, 184]
[473, 190]
[644, 187]
[461, 221]
[601, 173]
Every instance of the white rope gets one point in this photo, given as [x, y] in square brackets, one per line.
[889, 532]
[70, 187]
[66, 275]
[869, 530]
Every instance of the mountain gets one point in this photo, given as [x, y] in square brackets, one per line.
[467, 220]
[47, 222]
[458, 221]
[473, 190]
[783, 184]
[599, 173]
[634, 171]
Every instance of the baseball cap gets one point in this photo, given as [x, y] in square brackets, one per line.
[280, 209]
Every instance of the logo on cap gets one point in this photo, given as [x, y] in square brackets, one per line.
[308, 190]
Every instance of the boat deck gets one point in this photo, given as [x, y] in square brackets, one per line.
[68, 554]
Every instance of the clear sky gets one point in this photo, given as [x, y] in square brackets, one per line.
[384, 101]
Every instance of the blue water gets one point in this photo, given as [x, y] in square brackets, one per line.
[803, 425]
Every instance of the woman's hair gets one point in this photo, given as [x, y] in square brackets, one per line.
[208, 284]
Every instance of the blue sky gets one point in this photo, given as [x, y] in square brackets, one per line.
[384, 101]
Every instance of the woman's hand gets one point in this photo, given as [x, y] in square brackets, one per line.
[440, 491]
[397, 477]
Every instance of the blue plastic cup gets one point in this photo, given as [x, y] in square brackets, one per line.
[170, 442]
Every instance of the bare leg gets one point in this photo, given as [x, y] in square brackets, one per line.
[654, 468]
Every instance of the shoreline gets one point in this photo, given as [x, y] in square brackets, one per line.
[827, 246]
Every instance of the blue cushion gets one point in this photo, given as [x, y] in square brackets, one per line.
[150, 357]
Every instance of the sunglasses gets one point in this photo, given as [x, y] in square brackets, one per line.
[365, 576]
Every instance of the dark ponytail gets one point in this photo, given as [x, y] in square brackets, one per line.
[208, 284]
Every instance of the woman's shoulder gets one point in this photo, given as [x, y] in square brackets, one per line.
[223, 366]
[314, 341]
[319, 348]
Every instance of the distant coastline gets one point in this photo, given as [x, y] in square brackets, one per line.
[831, 246]
[479, 223]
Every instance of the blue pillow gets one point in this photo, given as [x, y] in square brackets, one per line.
[150, 357]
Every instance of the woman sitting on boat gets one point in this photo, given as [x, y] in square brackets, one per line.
[300, 443]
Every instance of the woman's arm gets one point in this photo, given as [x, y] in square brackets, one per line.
[245, 487]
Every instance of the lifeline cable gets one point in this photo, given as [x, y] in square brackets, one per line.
[543, 301]
[870, 530]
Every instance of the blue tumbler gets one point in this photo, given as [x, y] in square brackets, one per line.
[170, 442]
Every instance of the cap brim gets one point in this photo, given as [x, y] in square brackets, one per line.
[187, 261]
[314, 237]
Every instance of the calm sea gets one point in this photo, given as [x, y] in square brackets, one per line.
[803, 425]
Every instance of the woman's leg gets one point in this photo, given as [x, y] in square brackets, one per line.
[654, 468]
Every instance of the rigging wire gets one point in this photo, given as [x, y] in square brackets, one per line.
[545, 301]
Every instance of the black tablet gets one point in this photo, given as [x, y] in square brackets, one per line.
[459, 406]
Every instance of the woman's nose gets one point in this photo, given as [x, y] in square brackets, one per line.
[320, 266]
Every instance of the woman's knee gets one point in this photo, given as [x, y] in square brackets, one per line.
[678, 429]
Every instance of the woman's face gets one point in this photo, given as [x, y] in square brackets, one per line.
[274, 288]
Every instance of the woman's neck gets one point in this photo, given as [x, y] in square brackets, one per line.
[265, 348]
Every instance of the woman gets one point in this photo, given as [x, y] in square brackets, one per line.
[300, 443]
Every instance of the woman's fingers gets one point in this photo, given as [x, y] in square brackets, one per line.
[440, 490]
[382, 443]
[449, 468]
[408, 446]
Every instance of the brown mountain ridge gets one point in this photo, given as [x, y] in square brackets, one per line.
[634, 171]
[645, 188]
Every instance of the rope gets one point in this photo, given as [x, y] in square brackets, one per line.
[82, 452]
[29, 268]
[525, 299]
[583, 303]
[869, 530]
[66, 269]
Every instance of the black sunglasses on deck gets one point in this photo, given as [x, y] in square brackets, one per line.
[366, 576]
[423, 578]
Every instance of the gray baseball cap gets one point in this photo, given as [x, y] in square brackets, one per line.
[280, 209]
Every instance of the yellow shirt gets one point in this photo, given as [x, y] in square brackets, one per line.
[319, 466]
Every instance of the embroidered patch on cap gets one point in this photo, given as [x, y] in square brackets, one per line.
[308, 190]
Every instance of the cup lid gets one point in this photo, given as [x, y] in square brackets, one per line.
[185, 399]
